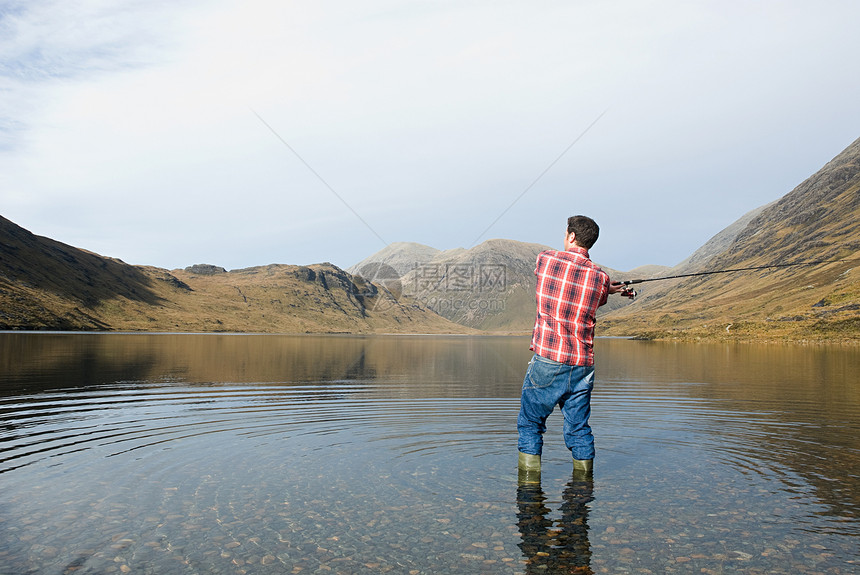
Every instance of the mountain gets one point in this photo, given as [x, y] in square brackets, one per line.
[817, 223]
[488, 287]
[45, 284]
[401, 256]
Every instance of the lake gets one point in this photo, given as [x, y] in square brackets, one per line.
[243, 454]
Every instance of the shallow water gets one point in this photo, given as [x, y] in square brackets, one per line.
[142, 453]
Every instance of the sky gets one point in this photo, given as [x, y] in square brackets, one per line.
[249, 132]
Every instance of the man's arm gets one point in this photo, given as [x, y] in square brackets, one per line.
[608, 289]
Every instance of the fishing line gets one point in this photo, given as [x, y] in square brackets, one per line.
[541, 175]
[319, 177]
[378, 268]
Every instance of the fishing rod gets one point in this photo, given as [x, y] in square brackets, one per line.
[631, 293]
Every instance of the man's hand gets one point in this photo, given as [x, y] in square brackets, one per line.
[619, 287]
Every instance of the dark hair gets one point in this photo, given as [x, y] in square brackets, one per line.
[585, 228]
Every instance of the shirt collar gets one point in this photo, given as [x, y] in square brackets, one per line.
[579, 250]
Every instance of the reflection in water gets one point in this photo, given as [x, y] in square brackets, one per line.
[777, 411]
[556, 549]
[491, 366]
[221, 453]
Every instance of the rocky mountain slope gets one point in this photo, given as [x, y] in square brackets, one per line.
[818, 222]
[45, 284]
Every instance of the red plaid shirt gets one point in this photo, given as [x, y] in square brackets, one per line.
[570, 288]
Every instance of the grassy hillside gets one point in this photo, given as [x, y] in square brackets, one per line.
[47, 285]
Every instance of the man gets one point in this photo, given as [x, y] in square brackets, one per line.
[570, 288]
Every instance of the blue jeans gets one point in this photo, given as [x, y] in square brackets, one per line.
[548, 383]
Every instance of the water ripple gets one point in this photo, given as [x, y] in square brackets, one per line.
[118, 420]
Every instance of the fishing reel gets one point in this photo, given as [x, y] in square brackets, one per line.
[628, 291]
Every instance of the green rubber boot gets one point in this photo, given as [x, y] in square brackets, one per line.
[528, 468]
[584, 466]
[529, 462]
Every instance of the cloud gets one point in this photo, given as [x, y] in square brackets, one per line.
[47, 44]
[136, 121]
